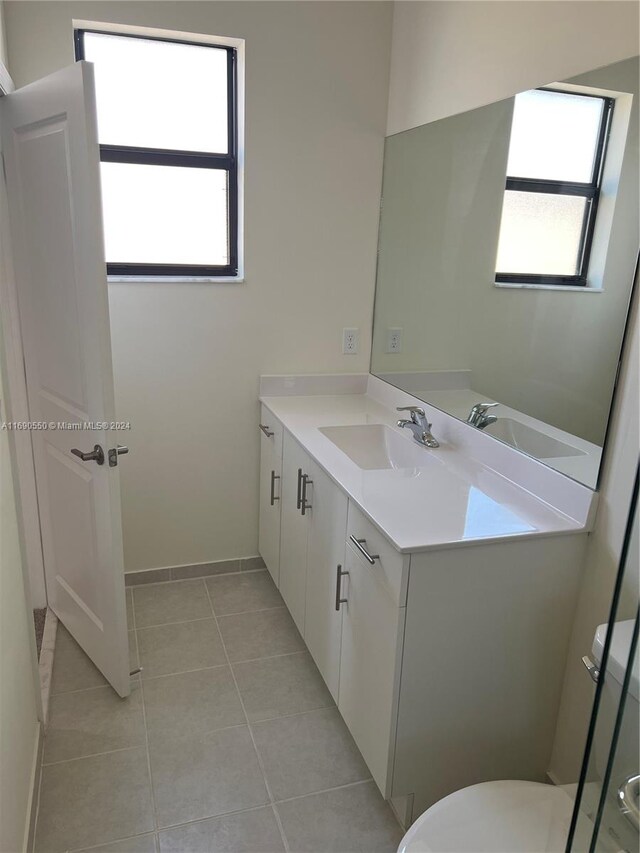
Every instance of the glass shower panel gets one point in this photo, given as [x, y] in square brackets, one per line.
[605, 818]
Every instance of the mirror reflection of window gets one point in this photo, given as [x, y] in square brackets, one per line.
[556, 158]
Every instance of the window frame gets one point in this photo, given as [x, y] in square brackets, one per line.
[590, 191]
[191, 159]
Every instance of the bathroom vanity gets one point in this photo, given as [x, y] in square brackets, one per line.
[434, 591]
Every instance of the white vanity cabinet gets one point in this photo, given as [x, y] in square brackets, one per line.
[270, 491]
[314, 518]
[446, 664]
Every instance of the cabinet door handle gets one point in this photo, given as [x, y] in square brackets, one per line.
[273, 497]
[304, 506]
[265, 429]
[339, 577]
[299, 498]
[360, 545]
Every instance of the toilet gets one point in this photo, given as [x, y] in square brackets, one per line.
[513, 816]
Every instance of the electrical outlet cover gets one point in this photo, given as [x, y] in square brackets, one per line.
[350, 340]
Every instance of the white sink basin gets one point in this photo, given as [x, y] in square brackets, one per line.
[376, 446]
[530, 440]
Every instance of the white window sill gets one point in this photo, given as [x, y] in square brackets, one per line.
[570, 287]
[172, 279]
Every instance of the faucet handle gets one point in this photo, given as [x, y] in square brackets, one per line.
[481, 408]
[412, 409]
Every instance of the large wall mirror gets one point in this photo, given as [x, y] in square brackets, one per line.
[508, 242]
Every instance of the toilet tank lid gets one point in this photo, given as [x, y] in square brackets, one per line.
[618, 653]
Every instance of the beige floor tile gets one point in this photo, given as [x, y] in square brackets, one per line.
[309, 752]
[247, 832]
[258, 635]
[178, 601]
[278, 686]
[180, 647]
[354, 819]
[205, 776]
[243, 592]
[92, 721]
[191, 703]
[72, 669]
[94, 800]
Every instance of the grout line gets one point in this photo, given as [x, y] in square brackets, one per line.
[251, 735]
[215, 817]
[269, 657]
[325, 791]
[146, 731]
[113, 841]
[93, 755]
[179, 622]
[196, 578]
[185, 671]
[246, 612]
[204, 618]
[295, 714]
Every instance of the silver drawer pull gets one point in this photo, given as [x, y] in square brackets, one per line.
[339, 600]
[360, 543]
[304, 503]
[265, 429]
[628, 794]
[273, 497]
[592, 669]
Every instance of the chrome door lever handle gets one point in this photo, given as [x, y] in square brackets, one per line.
[96, 455]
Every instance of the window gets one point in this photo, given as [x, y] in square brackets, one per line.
[556, 156]
[167, 127]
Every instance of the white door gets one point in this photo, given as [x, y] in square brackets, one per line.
[51, 154]
[326, 584]
[294, 529]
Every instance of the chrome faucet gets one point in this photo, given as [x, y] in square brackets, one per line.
[418, 425]
[478, 416]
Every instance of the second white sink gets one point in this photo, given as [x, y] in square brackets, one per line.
[376, 446]
[530, 440]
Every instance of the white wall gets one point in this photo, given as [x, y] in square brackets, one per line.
[448, 57]
[187, 357]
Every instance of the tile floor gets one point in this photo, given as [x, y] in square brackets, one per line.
[229, 742]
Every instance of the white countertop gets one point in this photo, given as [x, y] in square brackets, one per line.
[450, 500]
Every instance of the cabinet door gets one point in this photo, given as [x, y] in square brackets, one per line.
[293, 531]
[372, 630]
[270, 492]
[325, 552]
